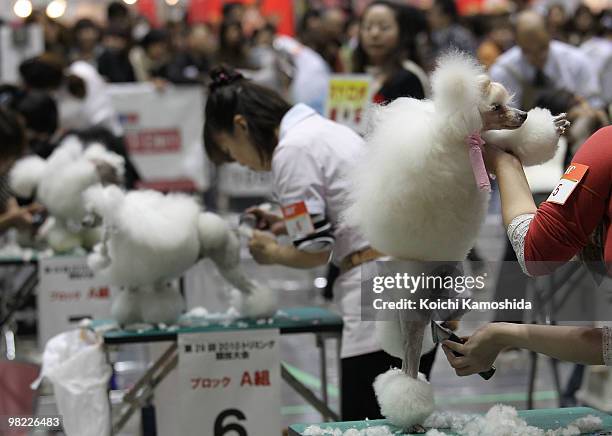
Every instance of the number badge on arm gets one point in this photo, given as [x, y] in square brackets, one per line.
[572, 177]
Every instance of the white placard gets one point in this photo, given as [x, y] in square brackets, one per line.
[68, 291]
[229, 383]
[236, 180]
[163, 131]
[349, 100]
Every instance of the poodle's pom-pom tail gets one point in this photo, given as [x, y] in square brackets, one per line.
[25, 175]
[456, 82]
[403, 400]
[538, 138]
[261, 302]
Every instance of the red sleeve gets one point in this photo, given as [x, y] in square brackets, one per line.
[559, 232]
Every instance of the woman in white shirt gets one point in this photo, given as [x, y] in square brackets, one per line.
[307, 155]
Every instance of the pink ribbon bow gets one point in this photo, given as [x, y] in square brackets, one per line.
[475, 143]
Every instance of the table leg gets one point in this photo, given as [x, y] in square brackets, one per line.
[339, 367]
[532, 376]
[323, 367]
[308, 395]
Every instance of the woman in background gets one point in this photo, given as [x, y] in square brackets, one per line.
[387, 50]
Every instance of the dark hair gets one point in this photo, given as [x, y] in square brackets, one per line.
[47, 72]
[12, 134]
[448, 8]
[84, 23]
[39, 111]
[410, 21]
[154, 36]
[117, 10]
[230, 94]
[557, 101]
[230, 7]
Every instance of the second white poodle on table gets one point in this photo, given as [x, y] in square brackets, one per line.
[150, 239]
[421, 193]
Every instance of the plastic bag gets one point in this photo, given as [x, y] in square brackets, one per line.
[75, 363]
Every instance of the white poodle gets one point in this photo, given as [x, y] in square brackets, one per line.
[59, 182]
[150, 239]
[419, 193]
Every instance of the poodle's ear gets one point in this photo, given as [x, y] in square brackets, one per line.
[455, 82]
[26, 174]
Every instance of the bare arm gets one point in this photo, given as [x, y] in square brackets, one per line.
[516, 198]
[568, 343]
[265, 250]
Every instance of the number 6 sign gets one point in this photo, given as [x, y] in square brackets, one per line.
[229, 383]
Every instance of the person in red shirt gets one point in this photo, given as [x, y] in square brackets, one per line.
[543, 239]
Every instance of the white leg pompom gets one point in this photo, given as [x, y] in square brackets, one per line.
[163, 306]
[125, 308]
[261, 302]
[403, 400]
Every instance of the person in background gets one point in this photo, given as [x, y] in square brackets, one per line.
[191, 65]
[537, 64]
[446, 32]
[114, 61]
[557, 22]
[599, 51]
[333, 21]
[151, 57]
[233, 11]
[233, 48]
[79, 90]
[56, 35]
[12, 147]
[384, 49]
[582, 27]
[118, 15]
[499, 38]
[87, 41]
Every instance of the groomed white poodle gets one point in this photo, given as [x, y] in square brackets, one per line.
[421, 192]
[150, 239]
[59, 182]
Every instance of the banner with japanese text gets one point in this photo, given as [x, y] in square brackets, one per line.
[163, 132]
[229, 383]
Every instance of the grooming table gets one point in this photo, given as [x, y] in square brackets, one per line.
[542, 418]
[323, 323]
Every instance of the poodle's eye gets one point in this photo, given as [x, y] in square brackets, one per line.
[496, 107]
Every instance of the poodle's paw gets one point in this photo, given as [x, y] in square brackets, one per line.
[163, 306]
[403, 400]
[561, 123]
[125, 308]
[261, 302]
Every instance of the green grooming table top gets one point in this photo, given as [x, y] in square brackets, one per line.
[289, 320]
[546, 419]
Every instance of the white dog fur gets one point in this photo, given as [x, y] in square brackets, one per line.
[150, 239]
[59, 182]
[414, 195]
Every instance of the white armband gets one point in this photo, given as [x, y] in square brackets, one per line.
[517, 231]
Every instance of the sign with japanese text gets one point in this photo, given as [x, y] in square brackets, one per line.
[349, 99]
[229, 383]
[163, 132]
[68, 291]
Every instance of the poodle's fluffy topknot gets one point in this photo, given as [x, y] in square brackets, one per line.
[456, 82]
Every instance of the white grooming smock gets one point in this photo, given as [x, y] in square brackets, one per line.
[309, 164]
[95, 109]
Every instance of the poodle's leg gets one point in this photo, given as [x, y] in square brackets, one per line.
[413, 331]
